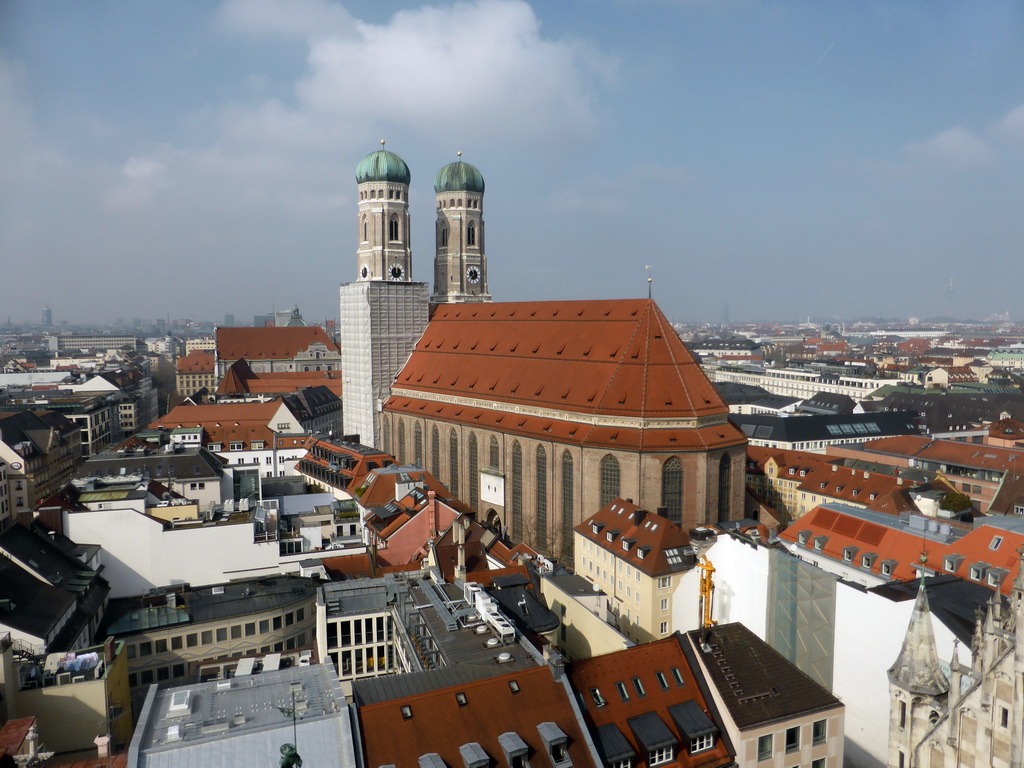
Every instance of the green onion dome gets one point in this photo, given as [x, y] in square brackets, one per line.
[459, 177]
[382, 166]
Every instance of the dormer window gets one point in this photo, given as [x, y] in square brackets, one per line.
[610, 536]
[824, 485]
[626, 544]
[803, 536]
[819, 542]
[872, 496]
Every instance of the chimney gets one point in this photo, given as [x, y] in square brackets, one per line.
[639, 515]
[460, 538]
[108, 651]
[432, 511]
[102, 746]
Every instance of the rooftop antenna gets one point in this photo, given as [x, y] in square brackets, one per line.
[649, 280]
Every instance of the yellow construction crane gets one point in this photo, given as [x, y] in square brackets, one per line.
[707, 592]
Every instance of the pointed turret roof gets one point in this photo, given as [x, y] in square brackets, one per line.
[917, 668]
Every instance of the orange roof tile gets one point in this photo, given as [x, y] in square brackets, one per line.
[438, 722]
[269, 343]
[836, 531]
[649, 541]
[196, 361]
[596, 357]
[607, 672]
[574, 432]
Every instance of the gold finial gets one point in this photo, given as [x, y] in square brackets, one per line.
[649, 279]
[382, 142]
[459, 155]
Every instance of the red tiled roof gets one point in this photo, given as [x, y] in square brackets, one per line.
[849, 485]
[985, 545]
[652, 537]
[948, 452]
[269, 343]
[615, 358]
[836, 531]
[438, 723]
[643, 661]
[228, 422]
[196, 361]
[576, 433]
[13, 734]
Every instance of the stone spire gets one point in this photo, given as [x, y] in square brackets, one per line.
[917, 667]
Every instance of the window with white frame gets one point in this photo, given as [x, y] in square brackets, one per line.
[660, 756]
[235, 446]
[702, 743]
[664, 582]
[627, 763]
[663, 628]
[664, 603]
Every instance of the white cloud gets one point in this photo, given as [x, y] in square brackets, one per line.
[477, 68]
[953, 149]
[1011, 127]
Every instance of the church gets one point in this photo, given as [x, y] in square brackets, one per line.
[956, 714]
[536, 414]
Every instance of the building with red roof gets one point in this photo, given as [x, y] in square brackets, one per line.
[526, 717]
[194, 371]
[647, 706]
[274, 350]
[638, 559]
[526, 409]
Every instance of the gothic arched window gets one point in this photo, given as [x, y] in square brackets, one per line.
[494, 457]
[567, 489]
[542, 497]
[393, 228]
[517, 491]
[366, 230]
[471, 234]
[672, 489]
[474, 473]
[453, 463]
[417, 445]
[401, 442]
[609, 479]
[435, 452]
[386, 436]
[444, 236]
[724, 487]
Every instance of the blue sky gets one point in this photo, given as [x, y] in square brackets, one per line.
[785, 158]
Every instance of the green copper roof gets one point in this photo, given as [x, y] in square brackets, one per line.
[382, 166]
[459, 177]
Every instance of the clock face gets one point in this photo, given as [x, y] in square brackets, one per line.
[473, 274]
[396, 272]
[364, 272]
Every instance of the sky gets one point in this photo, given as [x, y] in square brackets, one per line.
[769, 160]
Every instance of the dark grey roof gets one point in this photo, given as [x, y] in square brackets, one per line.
[799, 429]
[692, 720]
[572, 584]
[183, 464]
[651, 731]
[952, 600]
[200, 605]
[612, 745]
[756, 683]
[28, 604]
[829, 402]
[36, 552]
[32, 430]
[525, 609]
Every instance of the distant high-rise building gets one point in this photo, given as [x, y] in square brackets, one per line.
[229, 321]
[47, 317]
